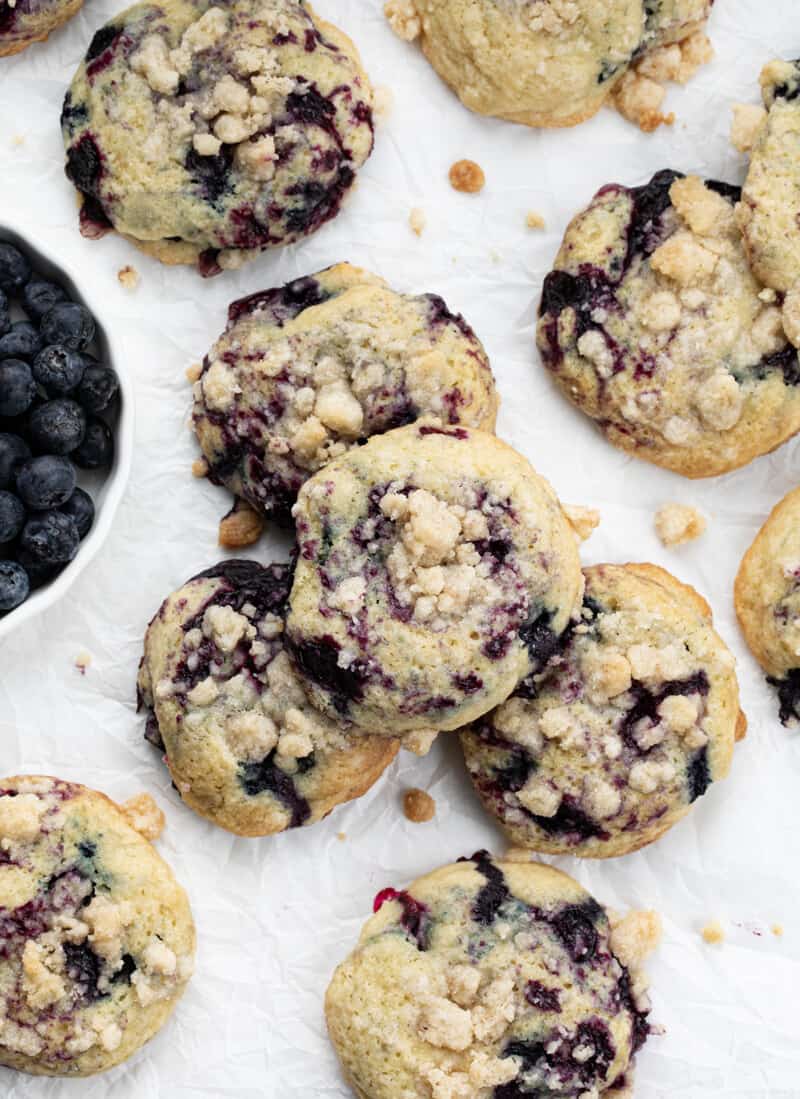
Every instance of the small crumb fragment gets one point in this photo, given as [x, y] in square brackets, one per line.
[17, 140]
[418, 806]
[639, 99]
[747, 122]
[518, 854]
[403, 19]
[241, 527]
[713, 932]
[420, 741]
[635, 936]
[194, 372]
[677, 524]
[341, 836]
[582, 520]
[128, 277]
[535, 220]
[144, 815]
[467, 176]
[777, 930]
[382, 102]
[791, 315]
[199, 467]
[82, 661]
[417, 220]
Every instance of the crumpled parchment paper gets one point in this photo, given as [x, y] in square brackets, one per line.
[275, 915]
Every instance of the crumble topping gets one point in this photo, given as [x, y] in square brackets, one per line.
[790, 318]
[467, 176]
[677, 524]
[242, 527]
[418, 806]
[144, 815]
[713, 933]
[640, 94]
[748, 119]
[417, 220]
[128, 277]
[403, 19]
[584, 521]
[20, 819]
[419, 741]
[534, 220]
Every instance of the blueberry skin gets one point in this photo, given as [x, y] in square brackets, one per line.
[80, 508]
[97, 449]
[12, 516]
[39, 296]
[98, 387]
[69, 324]
[15, 270]
[14, 585]
[5, 315]
[46, 482]
[58, 370]
[57, 427]
[13, 452]
[17, 387]
[50, 539]
[22, 341]
[38, 573]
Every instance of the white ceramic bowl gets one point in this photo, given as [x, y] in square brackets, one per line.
[106, 487]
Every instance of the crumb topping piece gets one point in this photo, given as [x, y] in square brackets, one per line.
[640, 94]
[748, 118]
[144, 815]
[418, 806]
[584, 521]
[467, 176]
[242, 527]
[403, 19]
[713, 933]
[417, 220]
[677, 524]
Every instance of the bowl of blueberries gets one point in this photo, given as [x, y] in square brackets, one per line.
[66, 431]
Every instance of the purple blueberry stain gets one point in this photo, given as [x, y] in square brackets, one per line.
[494, 894]
[575, 925]
[264, 775]
[788, 689]
[543, 998]
[415, 919]
[318, 660]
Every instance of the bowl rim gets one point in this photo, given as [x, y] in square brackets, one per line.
[41, 254]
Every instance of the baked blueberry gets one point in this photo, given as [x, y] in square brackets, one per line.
[22, 341]
[58, 370]
[17, 387]
[68, 323]
[57, 426]
[13, 452]
[39, 296]
[46, 482]
[14, 585]
[96, 451]
[98, 387]
[12, 516]
[15, 269]
[51, 538]
[81, 508]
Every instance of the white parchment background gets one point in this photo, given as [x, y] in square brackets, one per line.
[275, 915]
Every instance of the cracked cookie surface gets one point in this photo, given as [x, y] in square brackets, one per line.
[435, 570]
[205, 134]
[308, 370]
[25, 21]
[243, 744]
[630, 723]
[96, 936]
[769, 213]
[653, 325]
[489, 978]
[767, 598]
[541, 62]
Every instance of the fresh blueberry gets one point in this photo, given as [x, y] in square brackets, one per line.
[15, 270]
[17, 387]
[58, 370]
[46, 482]
[38, 572]
[39, 296]
[81, 509]
[14, 585]
[5, 315]
[70, 324]
[97, 449]
[98, 386]
[57, 427]
[20, 342]
[13, 452]
[12, 516]
[50, 539]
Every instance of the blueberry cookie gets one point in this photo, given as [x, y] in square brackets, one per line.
[306, 371]
[629, 724]
[25, 21]
[653, 324]
[770, 209]
[435, 570]
[488, 978]
[96, 936]
[206, 133]
[767, 597]
[541, 62]
[243, 745]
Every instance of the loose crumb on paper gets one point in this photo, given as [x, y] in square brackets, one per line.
[128, 277]
[403, 19]
[341, 836]
[241, 527]
[777, 930]
[419, 741]
[713, 932]
[677, 524]
[467, 176]
[417, 220]
[144, 815]
[82, 661]
[582, 520]
[635, 936]
[194, 372]
[534, 220]
[418, 806]
[199, 467]
[382, 103]
[748, 119]
[18, 140]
